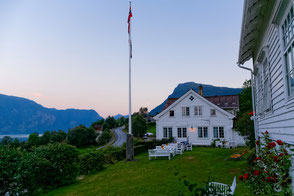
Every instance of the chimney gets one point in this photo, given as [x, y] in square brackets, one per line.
[200, 90]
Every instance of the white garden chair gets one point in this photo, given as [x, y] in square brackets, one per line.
[189, 147]
[223, 189]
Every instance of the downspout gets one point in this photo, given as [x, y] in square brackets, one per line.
[253, 99]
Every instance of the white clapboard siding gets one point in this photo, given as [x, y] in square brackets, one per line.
[280, 120]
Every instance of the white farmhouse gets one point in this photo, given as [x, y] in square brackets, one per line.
[194, 118]
[267, 37]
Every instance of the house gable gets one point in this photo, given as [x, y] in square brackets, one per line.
[191, 98]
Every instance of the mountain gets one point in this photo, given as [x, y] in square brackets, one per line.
[23, 116]
[208, 90]
[119, 116]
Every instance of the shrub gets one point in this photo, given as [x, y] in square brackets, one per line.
[91, 162]
[35, 173]
[113, 154]
[9, 162]
[140, 149]
[104, 138]
[63, 158]
[269, 173]
[81, 136]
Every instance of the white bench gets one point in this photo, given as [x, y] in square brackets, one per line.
[223, 189]
[159, 153]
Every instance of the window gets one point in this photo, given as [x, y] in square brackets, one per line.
[182, 132]
[218, 132]
[167, 132]
[215, 132]
[170, 132]
[202, 132]
[198, 111]
[179, 132]
[267, 87]
[288, 34]
[212, 112]
[171, 113]
[185, 111]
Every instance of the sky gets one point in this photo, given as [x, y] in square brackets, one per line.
[74, 53]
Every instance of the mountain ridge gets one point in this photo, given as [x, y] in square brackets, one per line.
[208, 90]
[19, 115]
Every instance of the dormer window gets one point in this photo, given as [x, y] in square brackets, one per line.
[171, 113]
[212, 112]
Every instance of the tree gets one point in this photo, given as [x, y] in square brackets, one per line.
[81, 136]
[139, 126]
[121, 121]
[6, 140]
[33, 140]
[98, 122]
[244, 125]
[110, 123]
[58, 136]
[45, 138]
[143, 111]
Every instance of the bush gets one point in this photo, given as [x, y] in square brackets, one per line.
[113, 154]
[9, 162]
[81, 136]
[35, 173]
[104, 138]
[140, 149]
[91, 162]
[269, 173]
[63, 158]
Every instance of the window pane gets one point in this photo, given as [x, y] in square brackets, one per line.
[187, 111]
[205, 132]
[184, 132]
[291, 82]
[171, 113]
[179, 132]
[221, 132]
[170, 132]
[200, 110]
[164, 132]
[196, 110]
[200, 132]
[215, 132]
[212, 112]
[183, 111]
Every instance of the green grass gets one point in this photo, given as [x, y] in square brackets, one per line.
[157, 177]
[151, 128]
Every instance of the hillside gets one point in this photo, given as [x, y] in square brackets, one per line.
[23, 116]
[208, 90]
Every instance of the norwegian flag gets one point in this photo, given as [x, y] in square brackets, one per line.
[129, 18]
[129, 30]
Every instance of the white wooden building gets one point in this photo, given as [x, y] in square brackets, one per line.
[267, 37]
[194, 118]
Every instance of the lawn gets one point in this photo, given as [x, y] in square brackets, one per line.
[157, 177]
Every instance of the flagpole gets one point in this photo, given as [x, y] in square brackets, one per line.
[130, 82]
[130, 142]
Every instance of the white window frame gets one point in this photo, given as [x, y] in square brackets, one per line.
[211, 114]
[201, 132]
[198, 110]
[167, 131]
[182, 132]
[287, 30]
[185, 111]
[218, 129]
